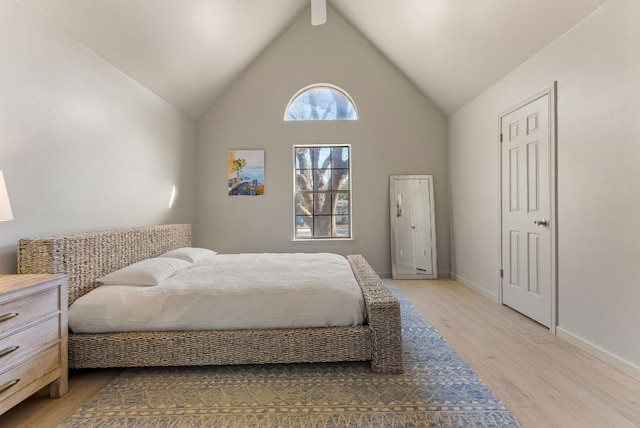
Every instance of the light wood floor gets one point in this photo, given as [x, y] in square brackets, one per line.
[542, 379]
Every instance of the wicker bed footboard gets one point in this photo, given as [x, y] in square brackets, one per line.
[383, 318]
[86, 256]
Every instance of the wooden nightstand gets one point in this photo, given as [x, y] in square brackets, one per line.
[33, 337]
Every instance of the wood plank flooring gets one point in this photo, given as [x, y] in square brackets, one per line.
[543, 380]
[40, 411]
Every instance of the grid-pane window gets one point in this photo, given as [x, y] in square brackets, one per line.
[322, 191]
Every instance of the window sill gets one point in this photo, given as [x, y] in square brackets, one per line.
[322, 239]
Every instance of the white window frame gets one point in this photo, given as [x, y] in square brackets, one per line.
[349, 191]
[321, 85]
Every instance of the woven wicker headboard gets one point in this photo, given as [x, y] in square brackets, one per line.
[83, 257]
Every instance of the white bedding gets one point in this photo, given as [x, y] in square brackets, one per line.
[230, 291]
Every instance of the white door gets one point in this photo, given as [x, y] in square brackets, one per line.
[404, 236]
[420, 208]
[527, 209]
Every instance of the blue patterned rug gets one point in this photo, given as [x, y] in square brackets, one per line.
[438, 389]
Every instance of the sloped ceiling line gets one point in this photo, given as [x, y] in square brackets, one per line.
[188, 52]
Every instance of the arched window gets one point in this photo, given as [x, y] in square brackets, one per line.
[321, 101]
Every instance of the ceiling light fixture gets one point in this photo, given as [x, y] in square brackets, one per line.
[318, 12]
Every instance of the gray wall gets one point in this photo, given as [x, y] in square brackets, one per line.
[597, 67]
[399, 132]
[82, 146]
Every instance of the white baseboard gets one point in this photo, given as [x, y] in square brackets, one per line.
[613, 360]
[488, 294]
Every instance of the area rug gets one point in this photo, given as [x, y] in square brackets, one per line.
[438, 389]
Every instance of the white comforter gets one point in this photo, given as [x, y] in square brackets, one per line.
[230, 291]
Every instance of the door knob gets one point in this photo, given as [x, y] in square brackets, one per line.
[543, 222]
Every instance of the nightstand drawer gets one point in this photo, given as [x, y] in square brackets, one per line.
[31, 370]
[33, 337]
[19, 345]
[19, 312]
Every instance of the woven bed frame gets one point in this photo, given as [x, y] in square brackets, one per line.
[83, 257]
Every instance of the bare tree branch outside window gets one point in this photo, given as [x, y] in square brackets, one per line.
[322, 173]
[321, 103]
[322, 199]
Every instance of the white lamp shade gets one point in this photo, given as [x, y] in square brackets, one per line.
[5, 205]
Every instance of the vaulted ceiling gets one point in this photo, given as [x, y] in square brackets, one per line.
[189, 51]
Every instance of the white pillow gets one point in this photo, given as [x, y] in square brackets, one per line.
[145, 272]
[190, 254]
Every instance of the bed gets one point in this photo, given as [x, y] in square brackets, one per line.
[85, 257]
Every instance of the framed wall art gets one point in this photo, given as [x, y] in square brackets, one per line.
[245, 172]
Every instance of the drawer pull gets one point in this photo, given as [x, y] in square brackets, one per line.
[7, 317]
[7, 351]
[8, 385]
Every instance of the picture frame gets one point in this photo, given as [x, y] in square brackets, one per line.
[245, 172]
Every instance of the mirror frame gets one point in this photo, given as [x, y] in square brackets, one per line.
[432, 227]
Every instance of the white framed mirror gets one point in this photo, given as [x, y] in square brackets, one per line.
[413, 227]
